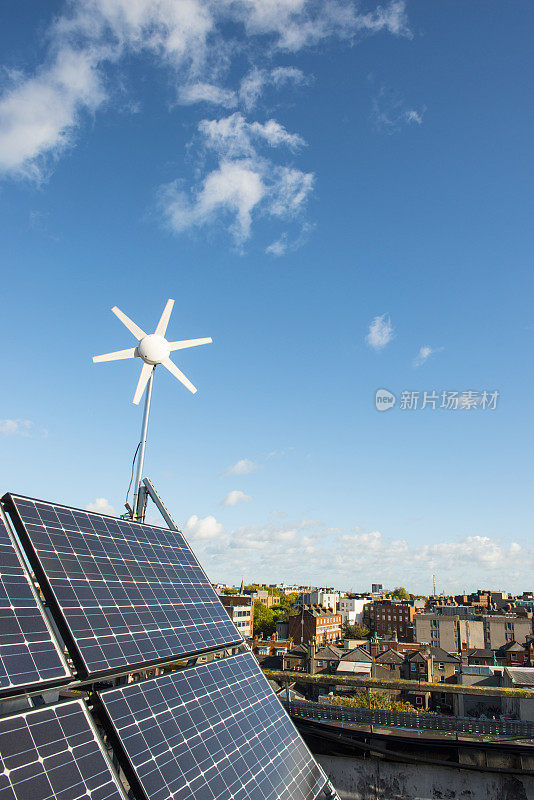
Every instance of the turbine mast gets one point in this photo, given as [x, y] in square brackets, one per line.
[139, 504]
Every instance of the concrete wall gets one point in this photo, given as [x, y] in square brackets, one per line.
[373, 779]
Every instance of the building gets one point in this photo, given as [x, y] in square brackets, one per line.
[327, 598]
[240, 607]
[351, 609]
[268, 599]
[448, 632]
[314, 621]
[355, 662]
[377, 588]
[390, 616]
[270, 647]
[500, 629]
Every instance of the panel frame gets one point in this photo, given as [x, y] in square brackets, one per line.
[44, 684]
[128, 767]
[92, 727]
[60, 619]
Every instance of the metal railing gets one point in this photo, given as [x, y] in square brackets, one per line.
[407, 719]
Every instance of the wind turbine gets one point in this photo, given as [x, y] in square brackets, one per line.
[153, 349]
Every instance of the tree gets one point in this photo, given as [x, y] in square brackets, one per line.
[400, 593]
[356, 631]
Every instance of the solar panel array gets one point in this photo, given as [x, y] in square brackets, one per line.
[124, 597]
[125, 594]
[28, 654]
[53, 753]
[215, 731]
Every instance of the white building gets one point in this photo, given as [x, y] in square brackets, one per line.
[351, 609]
[327, 598]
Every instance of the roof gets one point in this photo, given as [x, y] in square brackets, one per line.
[480, 653]
[521, 676]
[358, 655]
[390, 657]
[329, 653]
[513, 647]
[436, 653]
[298, 650]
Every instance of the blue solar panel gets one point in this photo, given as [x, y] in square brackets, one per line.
[212, 732]
[54, 753]
[29, 655]
[124, 595]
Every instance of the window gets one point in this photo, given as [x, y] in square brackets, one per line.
[441, 665]
[418, 701]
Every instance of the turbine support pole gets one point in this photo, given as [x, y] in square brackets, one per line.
[140, 492]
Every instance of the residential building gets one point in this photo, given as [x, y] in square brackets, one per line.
[448, 631]
[390, 616]
[351, 609]
[355, 662]
[270, 647]
[377, 588]
[327, 598]
[499, 629]
[267, 598]
[432, 665]
[241, 611]
[315, 622]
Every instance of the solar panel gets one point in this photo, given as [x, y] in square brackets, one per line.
[54, 753]
[29, 656]
[124, 594]
[215, 732]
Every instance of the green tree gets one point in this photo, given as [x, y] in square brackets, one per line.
[355, 631]
[400, 593]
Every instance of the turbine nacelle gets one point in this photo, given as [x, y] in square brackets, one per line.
[153, 349]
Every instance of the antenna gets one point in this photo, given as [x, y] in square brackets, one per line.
[153, 349]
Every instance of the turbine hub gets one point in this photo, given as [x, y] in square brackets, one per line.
[154, 349]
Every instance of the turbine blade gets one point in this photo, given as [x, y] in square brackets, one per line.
[143, 380]
[164, 319]
[116, 356]
[173, 369]
[189, 343]
[132, 327]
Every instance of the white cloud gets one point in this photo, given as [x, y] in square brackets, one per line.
[308, 552]
[234, 188]
[234, 136]
[196, 40]
[16, 427]
[205, 528]
[201, 92]
[253, 84]
[38, 116]
[236, 496]
[101, 505]
[242, 467]
[424, 354]
[380, 332]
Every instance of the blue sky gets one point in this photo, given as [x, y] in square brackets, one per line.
[324, 189]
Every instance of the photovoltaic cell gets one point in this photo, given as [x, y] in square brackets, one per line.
[124, 594]
[29, 656]
[53, 753]
[214, 732]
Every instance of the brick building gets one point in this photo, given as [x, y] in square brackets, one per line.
[314, 621]
[240, 607]
[390, 616]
